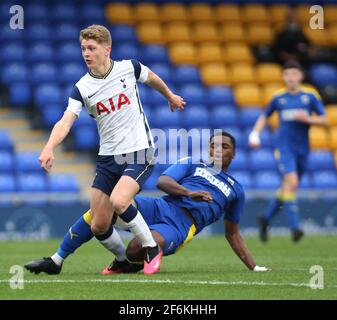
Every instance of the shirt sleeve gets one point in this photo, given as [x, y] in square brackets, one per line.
[317, 106]
[75, 101]
[271, 107]
[181, 169]
[235, 210]
[141, 71]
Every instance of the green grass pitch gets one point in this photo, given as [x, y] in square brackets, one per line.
[204, 269]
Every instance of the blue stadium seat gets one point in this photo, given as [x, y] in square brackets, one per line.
[125, 51]
[249, 116]
[196, 116]
[85, 138]
[20, 94]
[8, 34]
[51, 114]
[41, 52]
[193, 94]
[6, 162]
[6, 142]
[240, 162]
[70, 73]
[306, 181]
[153, 54]
[219, 95]
[38, 31]
[123, 33]
[63, 12]
[36, 11]
[92, 13]
[163, 117]
[27, 162]
[32, 182]
[163, 70]
[323, 74]
[237, 134]
[262, 159]
[66, 32]
[63, 183]
[186, 74]
[324, 179]
[7, 183]
[144, 94]
[43, 73]
[243, 177]
[48, 93]
[266, 137]
[84, 120]
[13, 52]
[69, 52]
[320, 160]
[222, 117]
[267, 180]
[14, 72]
[155, 99]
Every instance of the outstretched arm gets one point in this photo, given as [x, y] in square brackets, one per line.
[58, 134]
[254, 137]
[158, 84]
[239, 247]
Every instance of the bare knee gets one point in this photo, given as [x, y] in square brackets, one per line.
[290, 184]
[119, 204]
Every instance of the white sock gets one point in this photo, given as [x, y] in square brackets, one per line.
[57, 259]
[115, 245]
[140, 229]
[121, 224]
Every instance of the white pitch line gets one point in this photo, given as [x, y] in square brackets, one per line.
[191, 282]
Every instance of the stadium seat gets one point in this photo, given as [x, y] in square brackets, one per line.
[269, 72]
[183, 53]
[320, 160]
[122, 33]
[214, 74]
[262, 159]
[186, 74]
[66, 32]
[92, 13]
[243, 177]
[260, 34]
[219, 95]
[267, 180]
[278, 13]
[222, 117]
[27, 162]
[153, 54]
[125, 51]
[255, 13]
[63, 12]
[6, 162]
[196, 116]
[329, 93]
[324, 180]
[319, 138]
[8, 34]
[241, 73]
[200, 12]
[85, 138]
[228, 13]
[32, 183]
[193, 94]
[306, 181]
[63, 183]
[7, 183]
[83, 120]
[125, 13]
[331, 112]
[237, 133]
[163, 70]
[330, 14]
[229, 32]
[39, 31]
[174, 12]
[240, 161]
[237, 52]
[41, 52]
[48, 93]
[52, 114]
[144, 12]
[70, 73]
[323, 74]
[333, 138]
[14, 72]
[318, 37]
[205, 32]
[20, 94]
[177, 32]
[249, 116]
[6, 143]
[163, 117]
[43, 73]
[268, 90]
[13, 52]
[303, 13]
[248, 95]
[151, 33]
[69, 52]
[209, 52]
[36, 11]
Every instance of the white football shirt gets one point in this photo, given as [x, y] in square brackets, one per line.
[113, 100]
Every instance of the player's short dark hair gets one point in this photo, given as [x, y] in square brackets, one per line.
[293, 65]
[224, 134]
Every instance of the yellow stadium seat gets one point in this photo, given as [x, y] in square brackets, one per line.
[174, 12]
[260, 34]
[247, 95]
[200, 12]
[183, 53]
[204, 31]
[268, 90]
[332, 34]
[241, 73]
[146, 12]
[333, 139]
[209, 52]
[278, 13]
[150, 33]
[303, 13]
[330, 14]
[119, 13]
[255, 13]
[177, 31]
[231, 32]
[319, 37]
[268, 72]
[319, 138]
[214, 74]
[331, 113]
[237, 52]
[228, 13]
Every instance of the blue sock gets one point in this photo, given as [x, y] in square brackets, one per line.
[78, 234]
[291, 208]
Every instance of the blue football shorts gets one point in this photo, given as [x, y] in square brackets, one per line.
[167, 219]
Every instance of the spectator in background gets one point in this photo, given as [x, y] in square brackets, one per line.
[291, 44]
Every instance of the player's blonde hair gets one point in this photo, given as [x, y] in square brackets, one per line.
[98, 33]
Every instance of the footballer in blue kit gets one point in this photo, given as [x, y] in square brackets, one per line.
[295, 106]
[198, 194]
